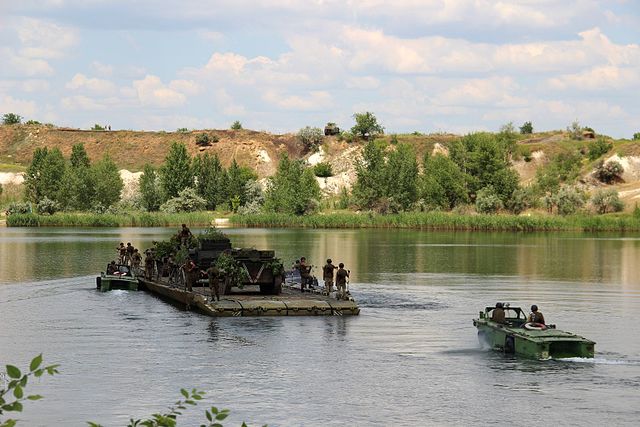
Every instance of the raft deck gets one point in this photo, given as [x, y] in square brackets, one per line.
[291, 302]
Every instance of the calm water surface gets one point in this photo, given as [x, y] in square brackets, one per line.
[411, 358]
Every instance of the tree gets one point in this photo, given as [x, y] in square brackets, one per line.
[607, 201]
[366, 125]
[78, 191]
[507, 138]
[402, 177]
[636, 136]
[442, 183]
[211, 183]
[150, 189]
[97, 127]
[176, 174]
[487, 201]
[563, 168]
[11, 119]
[44, 177]
[108, 183]
[293, 189]
[609, 172]
[599, 147]
[79, 157]
[187, 200]
[370, 176]
[236, 125]
[310, 137]
[236, 183]
[526, 128]
[575, 130]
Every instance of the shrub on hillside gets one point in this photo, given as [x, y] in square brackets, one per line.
[367, 125]
[32, 122]
[11, 119]
[598, 147]
[521, 200]
[97, 127]
[47, 206]
[607, 200]
[19, 208]
[323, 170]
[236, 125]
[575, 131]
[526, 128]
[636, 136]
[487, 201]
[202, 139]
[609, 172]
[569, 200]
[182, 130]
[187, 200]
[310, 137]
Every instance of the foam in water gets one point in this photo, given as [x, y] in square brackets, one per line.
[598, 361]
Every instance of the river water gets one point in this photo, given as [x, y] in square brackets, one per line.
[411, 358]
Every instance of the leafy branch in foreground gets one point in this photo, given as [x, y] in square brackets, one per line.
[12, 396]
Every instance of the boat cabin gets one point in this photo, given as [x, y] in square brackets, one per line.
[513, 316]
[119, 270]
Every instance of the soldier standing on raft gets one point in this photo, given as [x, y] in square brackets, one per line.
[185, 235]
[341, 281]
[148, 264]
[122, 253]
[214, 281]
[305, 275]
[128, 254]
[136, 260]
[191, 274]
[327, 276]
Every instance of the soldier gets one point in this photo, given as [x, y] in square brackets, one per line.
[185, 235]
[122, 252]
[149, 261]
[497, 315]
[341, 281]
[128, 254]
[305, 275]
[536, 316]
[214, 281]
[327, 276]
[136, 260]
[191, 272]
[112, 268]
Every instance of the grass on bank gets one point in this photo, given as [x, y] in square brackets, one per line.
[444, 221]
[134, 219]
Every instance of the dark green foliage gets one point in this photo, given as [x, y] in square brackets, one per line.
[182, 130]
[402, 177]
[442, 183]
[394, 139]
[484, 161]
[236, 125]
[78, 191]
[150, 189]
[11, 119]
[599, 147]
[32, 122]
[568, 200]
[202, 139]
[235, 184]
[311, 137]
[564, 168]
[323, 170]
[607, 201]
[79, 157]
[487, 201]
[176, 174]
[507, 139]
[108, 183]
[609, 172]
[366, 125]
[521, 200]
[44, 176]
[526, 128]
[636, 136]
[370, 171]
[19, 208]
[187, 200]
[575, 131]
[293, 189]
[211, 182]
[97, 127]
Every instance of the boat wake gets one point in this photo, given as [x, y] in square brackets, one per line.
[599, 361]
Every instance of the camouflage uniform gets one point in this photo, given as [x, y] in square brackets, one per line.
[214, 282]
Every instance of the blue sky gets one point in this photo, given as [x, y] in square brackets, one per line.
[426, 65]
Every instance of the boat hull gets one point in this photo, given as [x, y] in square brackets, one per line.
[536, 344]
[107, 283]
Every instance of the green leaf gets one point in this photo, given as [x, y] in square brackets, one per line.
[216, 425]
[34, 397]
[208, 414]
[35, 363]
[10, 423]
[214, 410]
[38, 373]
[221, 416]
[23, 380]
[13, 372]
[184, 392]
[17, 392]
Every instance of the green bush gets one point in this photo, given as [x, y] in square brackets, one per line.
[609, 172]
[323, 170]
[636, 136]
[607, 201]
[575, 131]
[487, 201]
[19, 208]
[187, 200]
[182, 130]
[526, 128]
[394, 139]
[97, 127]
[520, 200]
[569, 200]
[32, 122]
[47, 206]
[236, 125]
[310, 137]
[11, 119]
[202, 139]
[598, 147]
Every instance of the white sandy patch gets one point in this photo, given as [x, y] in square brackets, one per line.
[11, 178]
[631, 166]
[439, 149]
[131, 181]
[316, 158]
[264, 156]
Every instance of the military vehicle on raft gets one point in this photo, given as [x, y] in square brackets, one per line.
[117, 276]
[516, 336]
[331, 129]
[260, 267]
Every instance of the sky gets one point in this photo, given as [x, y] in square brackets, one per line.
[279, 65]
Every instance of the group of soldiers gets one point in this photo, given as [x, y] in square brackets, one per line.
[129, 256]
[341, 277]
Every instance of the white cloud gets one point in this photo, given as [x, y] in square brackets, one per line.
[18, 106]
[96, 86]
[42, 39]
[35, 86]
[81, 102]
[314, 100]
[599, 78]
[101, 69]
[152, 92]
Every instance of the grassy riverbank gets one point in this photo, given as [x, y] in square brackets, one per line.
[444, 221]
[134, 219]
[409, 220]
